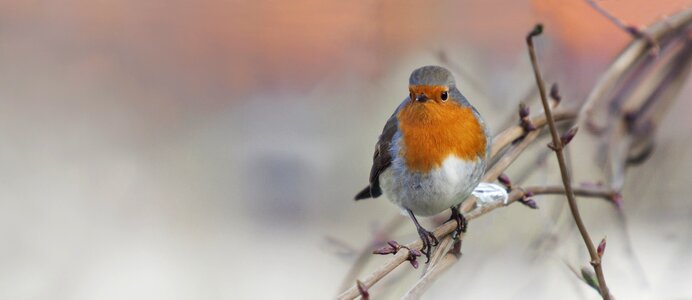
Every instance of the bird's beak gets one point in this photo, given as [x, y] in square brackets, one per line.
[421, 98]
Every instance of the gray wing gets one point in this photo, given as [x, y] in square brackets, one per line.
[382, 159]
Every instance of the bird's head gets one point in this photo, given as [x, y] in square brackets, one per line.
[432, 85]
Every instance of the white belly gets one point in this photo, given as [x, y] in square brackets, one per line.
[431, 193]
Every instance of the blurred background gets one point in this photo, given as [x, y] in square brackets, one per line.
[211, 149]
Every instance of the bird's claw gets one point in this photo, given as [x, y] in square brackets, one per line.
[462, 223]
[427, 238]
[429, 241]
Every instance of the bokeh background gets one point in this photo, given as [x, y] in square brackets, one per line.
[171, 149]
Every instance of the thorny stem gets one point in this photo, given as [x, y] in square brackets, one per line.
[557, 146]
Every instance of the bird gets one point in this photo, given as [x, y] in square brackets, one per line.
[432, 152]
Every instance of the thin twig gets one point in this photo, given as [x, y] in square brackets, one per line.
[630, 29]
[592, 192]
[557, 146]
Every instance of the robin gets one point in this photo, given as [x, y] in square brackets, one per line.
[432, 152]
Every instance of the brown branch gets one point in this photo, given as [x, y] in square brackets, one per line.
[592, 192]
[557, 146]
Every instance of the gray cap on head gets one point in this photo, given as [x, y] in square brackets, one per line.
[432, 75]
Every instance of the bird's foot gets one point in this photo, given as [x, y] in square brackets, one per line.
[429, 241]
[462, 223]
[428, 238]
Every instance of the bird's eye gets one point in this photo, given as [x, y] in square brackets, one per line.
[444, 96]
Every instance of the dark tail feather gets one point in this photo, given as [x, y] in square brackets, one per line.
[364, 194]
[371, 191]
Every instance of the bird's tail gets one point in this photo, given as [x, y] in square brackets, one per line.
[364, 194]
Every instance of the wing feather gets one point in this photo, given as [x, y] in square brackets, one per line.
[381, 159]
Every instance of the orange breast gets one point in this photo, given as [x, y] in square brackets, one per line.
[432, 131]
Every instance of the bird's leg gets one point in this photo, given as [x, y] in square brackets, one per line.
[428, 238]
[461, 222]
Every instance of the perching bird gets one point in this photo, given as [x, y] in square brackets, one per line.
[432, 151]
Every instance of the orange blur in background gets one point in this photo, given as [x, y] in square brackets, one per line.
[196, 150]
